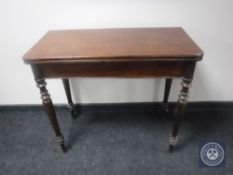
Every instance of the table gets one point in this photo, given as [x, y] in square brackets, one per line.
[123, 52]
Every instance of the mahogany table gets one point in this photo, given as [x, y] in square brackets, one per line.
[125, 52]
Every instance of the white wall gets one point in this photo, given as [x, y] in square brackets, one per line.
[209, 23]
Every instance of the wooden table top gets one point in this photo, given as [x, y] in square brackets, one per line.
[113, 44]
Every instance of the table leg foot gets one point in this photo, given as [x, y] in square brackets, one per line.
[60, 140]
[63, 148]
[171, 148]
[165, 108]
[172, 143]
[71, 106]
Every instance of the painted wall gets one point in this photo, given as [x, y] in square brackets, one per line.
[208, 22]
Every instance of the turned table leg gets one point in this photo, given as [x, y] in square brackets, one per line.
[48, 105]
[166, 94]
[179, 112]
[69, 98]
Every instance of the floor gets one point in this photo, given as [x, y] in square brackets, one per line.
[110, 141]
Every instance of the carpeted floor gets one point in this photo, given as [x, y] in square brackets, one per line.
[110, 142]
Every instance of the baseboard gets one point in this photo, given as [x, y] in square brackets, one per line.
[127, 107]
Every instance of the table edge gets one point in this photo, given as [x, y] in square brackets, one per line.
[198, 57]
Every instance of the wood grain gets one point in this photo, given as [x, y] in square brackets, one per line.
[113, 45]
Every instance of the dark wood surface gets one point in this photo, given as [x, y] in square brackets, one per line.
[114, 44]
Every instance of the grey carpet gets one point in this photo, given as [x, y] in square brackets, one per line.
[109, 142]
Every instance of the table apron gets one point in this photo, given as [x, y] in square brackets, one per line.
[115, 69]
